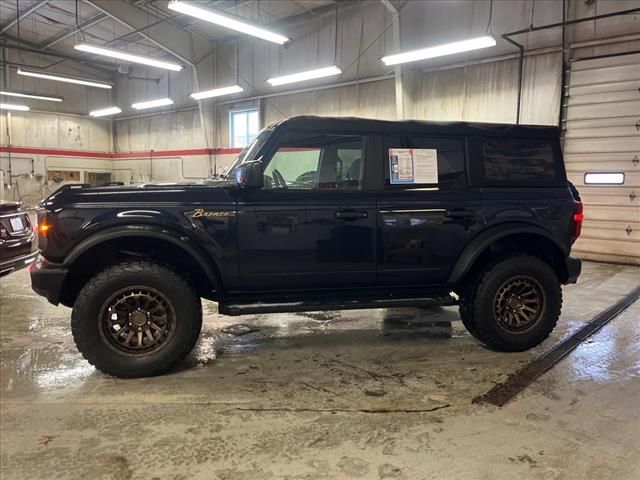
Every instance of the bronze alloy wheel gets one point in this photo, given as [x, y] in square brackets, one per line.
[518, 304]
[137, 321]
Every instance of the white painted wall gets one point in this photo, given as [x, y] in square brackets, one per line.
[160, 132]
[170, 168]
[50, 125]
[28, 172]
[49, 130]
[488, 92]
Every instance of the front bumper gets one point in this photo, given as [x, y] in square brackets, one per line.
[17, 263]
[573, 266]
[47, 280]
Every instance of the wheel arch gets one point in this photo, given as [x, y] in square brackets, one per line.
[510, 238]
[164, 246]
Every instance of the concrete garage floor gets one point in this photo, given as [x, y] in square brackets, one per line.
[369, 394]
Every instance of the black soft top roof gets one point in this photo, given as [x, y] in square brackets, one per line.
[368, 125]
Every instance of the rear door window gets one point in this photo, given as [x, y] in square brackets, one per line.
[448, 153]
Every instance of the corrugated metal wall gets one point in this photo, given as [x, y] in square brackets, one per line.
[160, 132]
[603, 135]
[488, 92]
[483, 93]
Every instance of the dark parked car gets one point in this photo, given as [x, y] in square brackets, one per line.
[320, 213]
[18, 245]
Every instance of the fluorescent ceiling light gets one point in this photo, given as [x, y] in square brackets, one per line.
[616, 178]
[161, 102]
[129, 57]
[217, 92]
[63, 78]
[227, 22]
[440, 50]
[48, 98]
[105, 111]
[308, 75]
[11, 106]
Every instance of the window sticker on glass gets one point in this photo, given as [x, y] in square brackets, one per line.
[413, 165]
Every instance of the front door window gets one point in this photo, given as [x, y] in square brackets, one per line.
[313, 162]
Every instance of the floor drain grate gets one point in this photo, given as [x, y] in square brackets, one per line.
[504, 392]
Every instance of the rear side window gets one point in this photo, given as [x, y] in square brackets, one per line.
[518, 162]
[449, 155]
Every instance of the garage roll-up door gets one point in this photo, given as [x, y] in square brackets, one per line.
[602, 135]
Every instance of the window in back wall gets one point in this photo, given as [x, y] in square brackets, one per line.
[244, 126]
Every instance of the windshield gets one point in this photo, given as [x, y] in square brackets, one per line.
[249, 152]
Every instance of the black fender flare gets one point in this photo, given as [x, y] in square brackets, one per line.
[473, 250]
[178, 239]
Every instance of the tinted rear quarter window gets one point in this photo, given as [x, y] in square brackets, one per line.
[516, 162]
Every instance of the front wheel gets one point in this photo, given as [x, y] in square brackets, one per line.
[514, 303]
[136, 319]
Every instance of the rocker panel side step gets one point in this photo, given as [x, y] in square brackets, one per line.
[245, 308]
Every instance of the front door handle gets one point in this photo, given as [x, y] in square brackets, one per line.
[459, 213]
[350, 215]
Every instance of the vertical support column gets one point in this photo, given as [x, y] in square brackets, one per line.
[564, 75]
[5, 74]
[398, 68]
[520, 73]
[203, 123]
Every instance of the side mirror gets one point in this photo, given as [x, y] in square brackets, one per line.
[249, 175]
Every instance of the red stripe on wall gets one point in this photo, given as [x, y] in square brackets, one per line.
[54, 151]
[121, 155]
[165, 153]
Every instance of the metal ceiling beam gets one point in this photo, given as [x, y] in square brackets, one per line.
[184, 46]
[180, 21]
[311, 14]
[23, 13]
[67, 32]
[295, 20]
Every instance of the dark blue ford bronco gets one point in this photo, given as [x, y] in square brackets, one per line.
[320, 213]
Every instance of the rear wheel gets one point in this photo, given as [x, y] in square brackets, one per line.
[136, 319]
[514, 303]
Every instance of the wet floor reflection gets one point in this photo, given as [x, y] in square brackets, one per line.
[327, 329]
[604, 358]
[403, 323]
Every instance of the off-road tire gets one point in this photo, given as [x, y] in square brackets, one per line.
[478, 298]
[86, 326]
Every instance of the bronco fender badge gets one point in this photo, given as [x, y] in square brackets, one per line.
[200, 212]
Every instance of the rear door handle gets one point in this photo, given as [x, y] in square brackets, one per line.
[349, 215]
[460, 213]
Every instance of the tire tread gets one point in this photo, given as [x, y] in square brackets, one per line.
[79, 327]
[468, 308]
